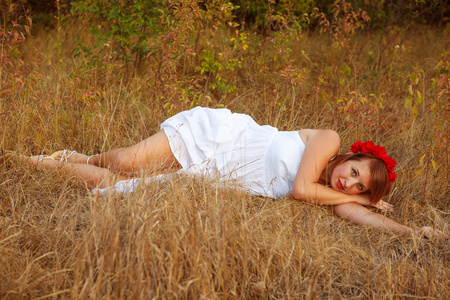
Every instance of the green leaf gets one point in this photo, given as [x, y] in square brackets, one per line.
[421, 159]
[408, 102]
[414, 111]
[434, 82]
[417, 173]
[419, 97]
[434, 164]
[410, 90]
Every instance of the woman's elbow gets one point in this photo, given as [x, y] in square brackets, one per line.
[300, 193]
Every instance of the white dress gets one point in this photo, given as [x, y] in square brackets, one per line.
[230, 146]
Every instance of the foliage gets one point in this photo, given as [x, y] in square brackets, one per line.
[440, 107]
[273, 15]
[18, 68]
[121, 26]
[252, 14]
[212, 64]
[359, 109]
[409, 13]
[344, 23]
[415, 96]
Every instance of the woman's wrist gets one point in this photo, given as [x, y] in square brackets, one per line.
[362, 199]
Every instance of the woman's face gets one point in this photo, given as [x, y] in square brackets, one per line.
[352, 177]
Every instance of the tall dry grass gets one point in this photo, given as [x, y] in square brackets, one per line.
[193, 238]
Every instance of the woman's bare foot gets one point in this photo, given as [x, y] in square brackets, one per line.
[29, 160]
[34, 160]
[7, 155]
[93, 176]
[70, 156]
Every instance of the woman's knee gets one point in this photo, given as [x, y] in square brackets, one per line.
[150, 155]
[124, 159]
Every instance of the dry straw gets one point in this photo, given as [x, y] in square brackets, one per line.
[192, 238]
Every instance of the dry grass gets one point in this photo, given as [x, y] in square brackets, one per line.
[191, 238]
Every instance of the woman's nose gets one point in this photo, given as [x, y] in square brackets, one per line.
[350, 182]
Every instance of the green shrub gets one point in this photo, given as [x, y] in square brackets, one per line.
[121, 27]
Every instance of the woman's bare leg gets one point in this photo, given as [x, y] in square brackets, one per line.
[93, 176]
[150, 155]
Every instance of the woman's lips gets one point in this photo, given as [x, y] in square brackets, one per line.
[339, 185]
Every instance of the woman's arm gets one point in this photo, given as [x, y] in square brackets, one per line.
[360, 215]
[321, 146]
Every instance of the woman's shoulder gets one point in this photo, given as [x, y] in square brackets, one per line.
[330, 135]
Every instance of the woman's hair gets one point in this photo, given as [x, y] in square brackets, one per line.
[378, 171]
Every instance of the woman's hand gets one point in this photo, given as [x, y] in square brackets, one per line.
[362, 216]
[382, 205]
[429, 232]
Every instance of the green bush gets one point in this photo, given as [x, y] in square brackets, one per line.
[257, 14]
[121, 26]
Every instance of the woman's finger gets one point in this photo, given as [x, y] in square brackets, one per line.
[383, 205]
[429, 233]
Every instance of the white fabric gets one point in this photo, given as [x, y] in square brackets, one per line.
[230, 146]
[282, 161]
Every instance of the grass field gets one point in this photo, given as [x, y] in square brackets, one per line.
[192, 238]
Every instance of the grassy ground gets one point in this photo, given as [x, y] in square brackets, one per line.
[191, 238]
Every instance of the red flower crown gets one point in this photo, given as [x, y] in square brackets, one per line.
[379, 152]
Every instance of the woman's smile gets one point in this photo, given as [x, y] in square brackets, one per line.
[339, 185]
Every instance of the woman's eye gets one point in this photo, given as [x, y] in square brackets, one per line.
[360, 187]
[353, 172]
